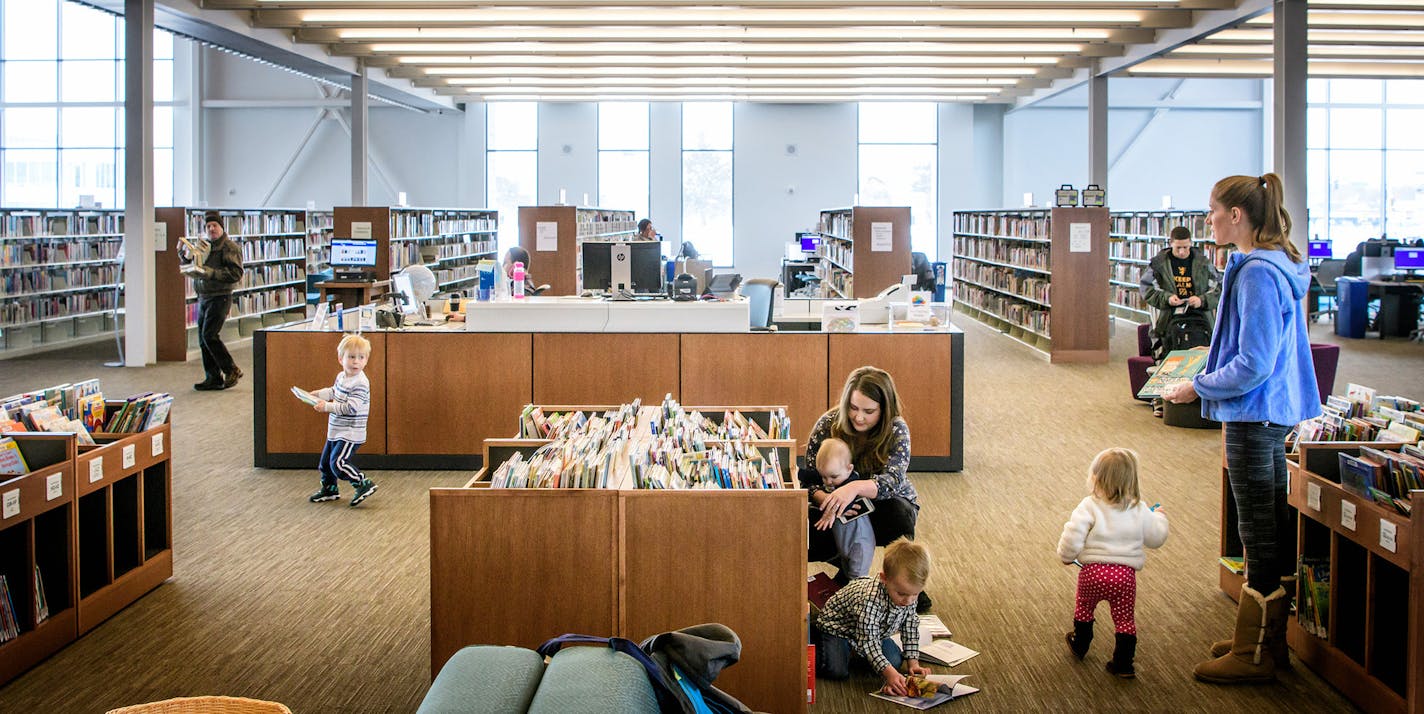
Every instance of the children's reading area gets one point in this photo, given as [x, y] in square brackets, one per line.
[436, 357]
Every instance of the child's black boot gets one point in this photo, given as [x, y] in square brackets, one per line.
[1123, 654]
[1080, 638]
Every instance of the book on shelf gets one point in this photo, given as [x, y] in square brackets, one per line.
[140, 412]
[935, 690]
[41, 602]
[9, 624]
[1178, 366]
[1233, 563]
[12, 462]
[1313, 598]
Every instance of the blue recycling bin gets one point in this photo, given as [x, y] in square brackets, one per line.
[1352, 296]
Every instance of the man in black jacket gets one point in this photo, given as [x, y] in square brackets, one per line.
[1181, 275]
[215, 272]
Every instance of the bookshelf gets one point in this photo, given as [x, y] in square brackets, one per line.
[1012, 266]
[850, 257]
[36, 542]
[1374, 638]
[561, 268]
[319, 228]
[1134, 237]
[60, 277]
[449, 241]
[273, 286]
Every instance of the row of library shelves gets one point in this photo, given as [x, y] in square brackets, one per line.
[17, 223]
[865, 245]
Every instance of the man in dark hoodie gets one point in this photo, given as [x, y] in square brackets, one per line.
[215, 273]
[1179, 276]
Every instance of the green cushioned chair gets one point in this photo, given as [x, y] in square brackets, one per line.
[486, 678]
[592, 680]
[578, 680]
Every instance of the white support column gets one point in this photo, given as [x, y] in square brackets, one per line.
[1098, 128]
[360, 139]
[187, 122]
[1288, 111]
[140, 340]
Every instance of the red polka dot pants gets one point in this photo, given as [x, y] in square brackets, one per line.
[1112, 582]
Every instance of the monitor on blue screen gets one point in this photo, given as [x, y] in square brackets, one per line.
[1408, 258]
[809, 241]
[1320, 249]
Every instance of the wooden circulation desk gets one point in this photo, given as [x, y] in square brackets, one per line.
[437, 393]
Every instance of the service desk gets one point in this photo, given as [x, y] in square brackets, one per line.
[576, 314]
[438, 392]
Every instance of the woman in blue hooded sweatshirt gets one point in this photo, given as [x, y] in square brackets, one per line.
[1259, 381]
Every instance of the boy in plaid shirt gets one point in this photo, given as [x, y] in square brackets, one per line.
[861, 616]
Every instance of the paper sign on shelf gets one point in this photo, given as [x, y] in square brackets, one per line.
[361, 230]
[882, 236]
[1312, 495]
[127, 459]
[546, 236]
[1347, 515]
[1388, 532]
[54, 486]
[158, 444]
[1080, 237]
[160, 236]
[96, 469]
[12, 504]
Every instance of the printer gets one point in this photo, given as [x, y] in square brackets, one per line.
[876, 310]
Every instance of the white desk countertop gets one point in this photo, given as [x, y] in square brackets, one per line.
[577, 314]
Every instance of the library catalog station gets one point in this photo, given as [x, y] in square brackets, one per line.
[579, 356]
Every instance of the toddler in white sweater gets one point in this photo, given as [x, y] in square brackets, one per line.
[1106, 535]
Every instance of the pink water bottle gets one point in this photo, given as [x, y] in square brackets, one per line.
[518, 275]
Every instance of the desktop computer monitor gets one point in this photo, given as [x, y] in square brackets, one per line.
[1320, 249]
[1408, 258]
[353, 258]
[809, 241]
[623, 266]
[401, 284]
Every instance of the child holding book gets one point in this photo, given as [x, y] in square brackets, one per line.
[861, 616]
[348, 401]
[855, 538]
[1106, 535]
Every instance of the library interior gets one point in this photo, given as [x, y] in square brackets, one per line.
[422, 355]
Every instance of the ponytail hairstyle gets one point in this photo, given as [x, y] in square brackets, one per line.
[1262, 200]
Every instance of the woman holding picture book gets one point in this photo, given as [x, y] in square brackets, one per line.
[866, 497]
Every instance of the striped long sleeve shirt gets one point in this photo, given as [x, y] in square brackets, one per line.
[349, 403]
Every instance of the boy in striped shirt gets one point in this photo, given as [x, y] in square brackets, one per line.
[348, 401]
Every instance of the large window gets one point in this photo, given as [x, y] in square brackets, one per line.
[62, 106]
[899, 144]
[511, 164]
[623, 156]
[707, 180]
[1365, 160]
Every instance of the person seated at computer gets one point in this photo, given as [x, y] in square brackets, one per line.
[646, 231]
[687, 250]
[517, 254]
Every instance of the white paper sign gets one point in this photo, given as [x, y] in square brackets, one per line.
[96, 469]
[546, 236]
[1080, 237]
[882, 236]
[54, 486]
[1387, 534]
[1312, 495]
[12, 504]
[160, 236]
[361, 230]
[1347, 515]
[127, 458]
[840, 316]
[158, 444]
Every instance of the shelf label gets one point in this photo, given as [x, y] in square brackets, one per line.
[1080, 237]
[158, 444]
[96, 469]
[546, 236]
[1312, 495]
[127, 458]
[1347, 515]
[12, 504]
[1387, 534]
[160, 237]
[361, 230]
[882, 236]
[54, 486]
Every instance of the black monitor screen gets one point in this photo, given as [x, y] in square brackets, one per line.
[353, 253]
[809, 241]
[1409, 258]
[645, 265]
[1320, 249]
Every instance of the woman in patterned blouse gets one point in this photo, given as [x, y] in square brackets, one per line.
[868, 420]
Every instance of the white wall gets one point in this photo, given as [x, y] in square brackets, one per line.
[568, 154]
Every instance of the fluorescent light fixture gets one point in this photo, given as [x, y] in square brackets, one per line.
[716, 61]
[1264, 68]
[768, 99]
[724, 15]
[651, 72]
[975, 53]
[1314, 51]
[734, 33]
[1323, 19]
[748, 82]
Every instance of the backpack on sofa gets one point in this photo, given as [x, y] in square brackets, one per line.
[1184, 331]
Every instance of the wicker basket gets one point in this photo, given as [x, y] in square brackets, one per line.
[205, 705]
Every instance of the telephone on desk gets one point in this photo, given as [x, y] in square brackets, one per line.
[876, 310]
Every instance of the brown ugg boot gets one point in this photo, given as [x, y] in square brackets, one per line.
[1250, 659]
[1275, 632]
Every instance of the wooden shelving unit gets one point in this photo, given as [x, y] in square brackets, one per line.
[320, 225]
[850, 260]
[60, 278]
[273, 287]
[1011, 267]
[561, 268]
[1134, 238]
[449, 241]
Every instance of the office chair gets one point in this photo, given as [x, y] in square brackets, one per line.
[761, 292]
[1326, 274]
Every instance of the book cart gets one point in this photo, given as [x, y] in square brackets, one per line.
[851, 262]
[630, 563]
[95, 522]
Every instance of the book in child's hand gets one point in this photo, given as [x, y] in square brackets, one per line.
[935, 688]
[857, 508]
[305, 396]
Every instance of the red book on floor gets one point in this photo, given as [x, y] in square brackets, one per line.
[820, 588]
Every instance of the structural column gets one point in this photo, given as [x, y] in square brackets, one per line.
[1098, 127]
[1289, 110]
[360, 144]
[140, 339]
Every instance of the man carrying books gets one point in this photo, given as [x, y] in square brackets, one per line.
[216, 268]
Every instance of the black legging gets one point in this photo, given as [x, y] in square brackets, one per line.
[893, 517]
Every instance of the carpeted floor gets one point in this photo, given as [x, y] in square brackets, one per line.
[326, 608]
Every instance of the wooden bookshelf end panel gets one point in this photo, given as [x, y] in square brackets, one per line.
[485, 574]
[921, 367]
[558, 268]
[759, 368]
[308, 360]
[715, 570]
[1080, 279]
[447, 393]
[876, 270]
[597, 368]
